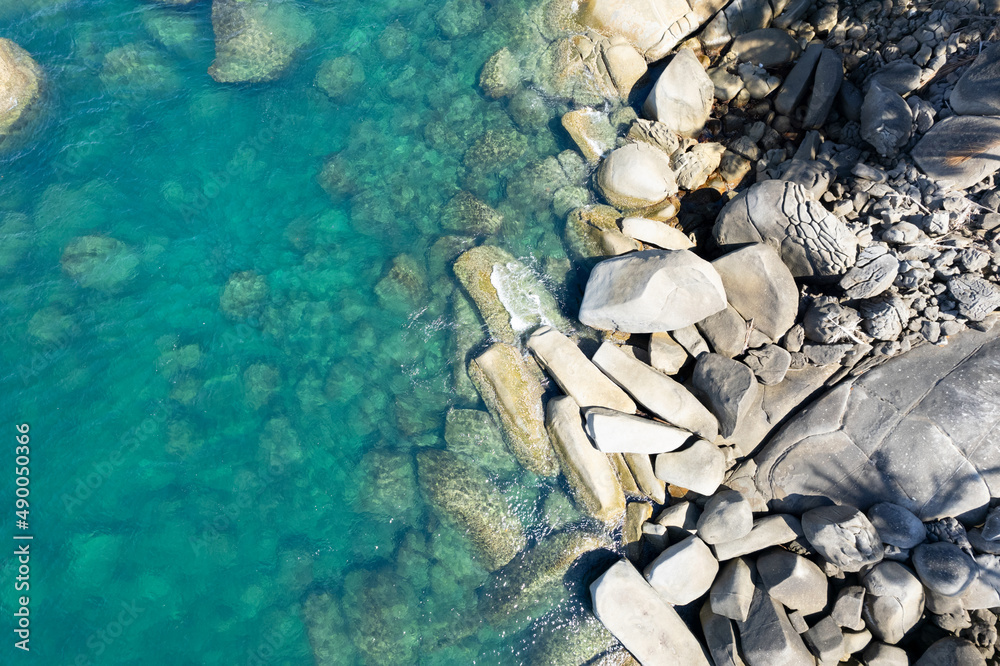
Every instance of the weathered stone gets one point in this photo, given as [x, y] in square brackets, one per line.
[719, 637]
[871, 275]
[975, 296]
[793, 580]
[683, 572]
[658, 393]
[514, 397]
[501, 75]
[768, 531]
[848, 606]
[574, 373]
[466, 214]
[665, 354]
[760, 287]
[736, 19]
[894, 601]
[767, 637]
[882, 654]
[901, 77]
[944, 568]
[106, 264]
[616, 432]
[640, 618]
[693, 168]
[700, 467]
[680, 519]
[472, 433]
[991, 528]
[256, 41]
[793, 90]
[636, 177]
[727, 516]
[843, 536]
[960, 151]
[886, 120]
[21, 88]
[810, 240]
[464, 496]
[636, 515]
[768, 47]
[725, 331]
[625, 64]
[951, 651]
[592, 481]
[825, 640]
[682, 97]
[732, 592]
[649, 291]
[978, 90]
[770, 364]
[868, 439]
[591, 132]
[828, 79]
[655, 232]
[729, 387]
[896, 525]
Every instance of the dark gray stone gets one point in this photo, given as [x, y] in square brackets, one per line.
[882, 654]
[768, 47]
[793, 90]
[770, 364]
[732, 592]
[739, 17]
[847, 608]
[826, 641]
[719, 637]
[871, 275]
[725, 331]
[894, 601]
[901, 77]
[868, 440]
[829, 77]
[944, 568]
[978, 91]
[960, 150]
[729, 387]
[849, 101]
[767, 636]
[760, 287]
[951, 651]
[975, 296]
[896, 525]
[843, 536]
[886, 120]
[793, 580]
[991, 528]
[810, 240]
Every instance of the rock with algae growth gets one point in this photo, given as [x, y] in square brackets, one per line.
[99, 262]
[379, 607]
[532, 583]
[508, 295]
[138, 70]
[340, 77]
[327, 631]
[464, 496]
[513, 394]
[568, 637]
[256, 40]
[473, 434]
[21, 88]
[244, 295]
[404, 287]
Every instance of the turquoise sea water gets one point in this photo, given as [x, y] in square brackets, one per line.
[198, 471]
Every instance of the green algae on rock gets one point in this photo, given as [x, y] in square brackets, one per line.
[244, 295]
[467, 214]
[21, 87]
[513, 394]
[569, 637]
[473, 434]
[464, 496]
[99, 262]
[378, 605]
[340, 77]
[139, 70]
[592, 233]
[256, 40]
[404, 287]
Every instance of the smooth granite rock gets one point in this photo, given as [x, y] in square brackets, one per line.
[868, 439]
[882, 654]
[720, 637]
[636, 177]
[977, 92]
[896, 525]
[894, 601]
[768, 47]
[682, 97]
[683, 572]
[810, 240]
[760, 287]
[793, 90]
[649, 291]
[848, 606]
[886, 120]
[616, 432]
[951, 651]
[767, 636]
[960, 151]
[592, 481]
[700, 467]
[729, 387]
[772, 530]
[655, 232]
[793, 580]
[732, 591]
[680, 519]
[656, 392]
[843, 536]
[22, 84]
[727, 516]
[639, 617]
[944, 568]
[574, 373]
[825, 640]
[513, 395]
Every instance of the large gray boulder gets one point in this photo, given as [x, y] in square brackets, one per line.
[760, 287]
[810, 240]
[683, 572]
[650, 291]
[767, 47]
[682, 97]
[944, 568]
[869, 439]
[886, 120]
[732, 591]
[843, 536]
[736, 19]
[642, 620]
[636, 177]
[767, 636]
[727, 516]
[793, 580]
[978, 91]
[960, 151]
[699, 467]
[729, 388]
[894, 601]
[719, 637]
[951, 651]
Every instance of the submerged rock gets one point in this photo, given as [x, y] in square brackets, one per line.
[467, 214]
[99, 262]
[378, 605]
[256, 40]
[513, 395]
[244, 295]
[339, 77]
[473, 434]
[138, 70]
[463, 495]
[21, 88]
[404, 286]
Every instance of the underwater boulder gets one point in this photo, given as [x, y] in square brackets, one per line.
[244, 295]
[340, 77]
[256, 40]
[138, 70]
[404, 287]
[464, 213]
[99, 262]
[21, 88]
[379, 607]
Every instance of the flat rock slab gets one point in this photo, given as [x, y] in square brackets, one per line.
[868, 440]
[768, 47]
[651, 291]
[811, 241]
[978, 91]
[616, 432]
[760, 287]
[960, 150]
[646, 625]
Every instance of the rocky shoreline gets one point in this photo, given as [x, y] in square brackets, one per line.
[792, 280]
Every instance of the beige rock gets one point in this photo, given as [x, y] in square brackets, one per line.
[514, 396]
[591, 132]
[21, 86]
[655, 232]
[636, 177]
[575, 374]
[592, 231]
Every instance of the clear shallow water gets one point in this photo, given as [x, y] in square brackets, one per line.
[197, 475]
